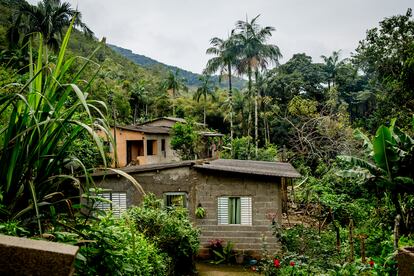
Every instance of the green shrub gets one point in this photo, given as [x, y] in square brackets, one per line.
[118, 249]
[311, 247]
[171, 230]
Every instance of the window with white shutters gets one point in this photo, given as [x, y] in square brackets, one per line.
[118, 202]
[234, 210]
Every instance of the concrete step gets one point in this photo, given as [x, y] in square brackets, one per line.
[222, 228]
[224, 234]
[241, 239]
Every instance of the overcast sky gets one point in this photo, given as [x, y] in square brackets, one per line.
[177, 32]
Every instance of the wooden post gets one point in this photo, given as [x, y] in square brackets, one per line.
[338, 234]
[396, 231]
[284, 196]
[362, 238]
[351, 240]
[338, 239]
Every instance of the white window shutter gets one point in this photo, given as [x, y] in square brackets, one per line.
[118, 203]
[104, 205]
[222, 210]
[246, 210]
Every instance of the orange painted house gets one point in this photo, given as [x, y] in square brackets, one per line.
[150, 142]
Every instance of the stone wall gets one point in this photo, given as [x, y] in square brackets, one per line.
[204, 188]
[21, 256]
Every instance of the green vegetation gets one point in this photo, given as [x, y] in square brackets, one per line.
[185, 140]
[171, 230]
[346, 124]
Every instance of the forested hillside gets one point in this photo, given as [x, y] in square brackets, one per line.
[191, 78]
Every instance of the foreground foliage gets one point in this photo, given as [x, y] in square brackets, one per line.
[171, 230]
[46, 115]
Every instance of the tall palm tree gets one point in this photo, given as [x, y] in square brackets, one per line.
[139, 94]
[206, 88]
[48, 17]
[255, 55]
[225, 59]
[174, 83]
[331, 66]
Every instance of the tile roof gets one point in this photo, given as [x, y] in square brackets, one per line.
[280, 169]
[173, 119]
[146, 129]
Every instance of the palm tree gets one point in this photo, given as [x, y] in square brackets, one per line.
[174, 83]
[206, 88]
[255, 55]
[50, 18]
[331, 66]
[139, 94]
[225, 59]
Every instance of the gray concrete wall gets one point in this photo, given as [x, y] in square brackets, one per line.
[205, 187]
[266, 202]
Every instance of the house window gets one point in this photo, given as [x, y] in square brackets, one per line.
[175, 199]
[234, 210]
[151, 147]
[118, 202]
[135, 148]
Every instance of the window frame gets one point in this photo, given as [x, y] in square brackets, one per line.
[184, 194]
[224, 216]
[152, 147]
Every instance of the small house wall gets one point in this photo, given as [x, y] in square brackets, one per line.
[266, 204]
[124, 135]
[204, 188]
[169, 156]
[158, 182]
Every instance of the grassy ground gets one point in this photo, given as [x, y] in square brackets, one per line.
[207, 269]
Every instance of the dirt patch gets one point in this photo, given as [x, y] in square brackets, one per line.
[207, 269]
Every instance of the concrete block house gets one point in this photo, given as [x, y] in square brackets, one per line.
[242, 198]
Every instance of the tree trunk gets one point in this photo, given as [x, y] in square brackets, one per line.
[231, 108]
[256, 127]
[249, 73]
[204, 110]
[256, 117]
[173, 101]
[135, 113]
[115, 146]
[351, 241]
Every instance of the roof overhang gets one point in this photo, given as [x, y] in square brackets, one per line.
[262, 168]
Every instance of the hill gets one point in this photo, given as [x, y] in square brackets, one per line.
[192, 78]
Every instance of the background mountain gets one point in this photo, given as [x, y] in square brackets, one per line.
[192, 78]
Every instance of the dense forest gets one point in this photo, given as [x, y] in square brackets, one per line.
[347, 124]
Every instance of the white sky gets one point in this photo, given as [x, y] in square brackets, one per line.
[177, 32]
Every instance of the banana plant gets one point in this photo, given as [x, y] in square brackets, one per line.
[389, 155]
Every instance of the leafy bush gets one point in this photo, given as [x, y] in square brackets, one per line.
[13, 228]
[170, 229]
[311, 247]
[185, 139]
[222, 254]
[118, 249]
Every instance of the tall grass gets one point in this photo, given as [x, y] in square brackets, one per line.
[46, 115]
